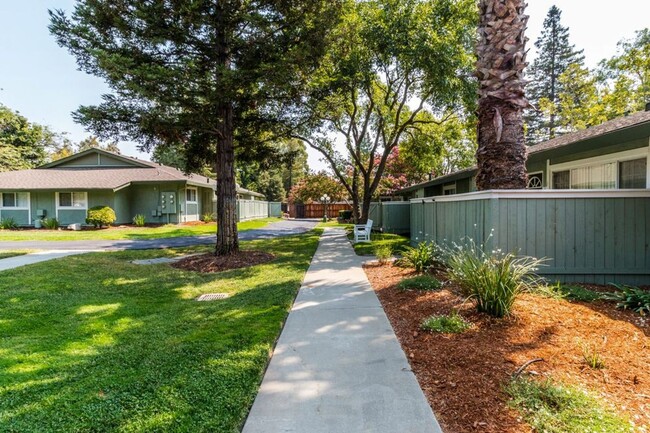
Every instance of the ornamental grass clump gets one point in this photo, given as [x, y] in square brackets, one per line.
[421, 257]
[492, 279]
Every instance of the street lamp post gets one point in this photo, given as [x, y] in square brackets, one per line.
[325, 199]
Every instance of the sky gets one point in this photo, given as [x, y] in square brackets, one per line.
[41, 81]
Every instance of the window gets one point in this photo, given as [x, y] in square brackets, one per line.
[632, 174]
[601, 176]
[561, 179]
[190, 195]
[15, 200]
[535, 181]
[449, 189]
[75, 200]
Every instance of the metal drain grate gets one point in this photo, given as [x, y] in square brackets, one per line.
[212, 296]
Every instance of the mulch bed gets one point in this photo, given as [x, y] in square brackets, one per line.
[462, 374]
[210, 263]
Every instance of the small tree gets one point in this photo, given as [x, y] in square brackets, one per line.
[100, 216]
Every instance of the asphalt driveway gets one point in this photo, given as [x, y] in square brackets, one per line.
[280, 228]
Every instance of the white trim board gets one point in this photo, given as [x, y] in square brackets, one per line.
[540, 194]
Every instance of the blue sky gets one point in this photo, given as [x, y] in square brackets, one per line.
[41, 80]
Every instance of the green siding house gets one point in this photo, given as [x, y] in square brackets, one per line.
[65, 189]
[613, 155]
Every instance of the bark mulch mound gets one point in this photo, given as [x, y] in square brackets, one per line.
[210, 263]
[462, 374]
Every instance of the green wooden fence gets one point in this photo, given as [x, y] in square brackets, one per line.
[587, 236]
[256, 209]
[391, 216]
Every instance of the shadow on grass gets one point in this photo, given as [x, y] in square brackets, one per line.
[98, 344]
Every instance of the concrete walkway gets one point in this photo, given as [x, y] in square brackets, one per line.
[338, 367]
[41, 256]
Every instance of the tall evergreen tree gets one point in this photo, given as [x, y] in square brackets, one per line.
[554, 55]
[209, 75]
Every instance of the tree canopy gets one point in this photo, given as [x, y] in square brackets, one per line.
[208, 76]
[394, 67]
[23, 144]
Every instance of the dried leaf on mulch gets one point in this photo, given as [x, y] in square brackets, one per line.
[211, 263]
[462, 374]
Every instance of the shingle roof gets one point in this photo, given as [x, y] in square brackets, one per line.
[563, 140]
[50, 176]
[591, 132]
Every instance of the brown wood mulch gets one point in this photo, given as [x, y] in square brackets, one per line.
[208, 263]
[462, 374]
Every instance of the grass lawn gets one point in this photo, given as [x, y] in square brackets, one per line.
[114, 233]
[395, 242]
[7, 254]
[94, 343]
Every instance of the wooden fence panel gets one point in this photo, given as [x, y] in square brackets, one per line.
[586, 236]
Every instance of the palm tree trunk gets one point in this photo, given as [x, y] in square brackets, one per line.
[501, 154]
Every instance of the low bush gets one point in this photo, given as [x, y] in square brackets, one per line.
[492, 279]
[383, 253]
[139, 220]
[100, 216]
[345, 215]
[420, 282]
[591, 356]
[452, 323]
[8, 224]
[208, 217]
[421, 257]
[629, 297]
[50, 223]
[554, 408]
[579, 293]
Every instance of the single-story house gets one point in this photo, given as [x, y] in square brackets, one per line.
[65, 189]
[612, 155]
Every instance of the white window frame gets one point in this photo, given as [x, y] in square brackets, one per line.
[628, 155]
[533, 174]
[450, 187]
[59, 207]
[15, 193]
[196, 195]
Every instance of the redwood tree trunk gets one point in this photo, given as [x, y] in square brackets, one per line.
[227, 238]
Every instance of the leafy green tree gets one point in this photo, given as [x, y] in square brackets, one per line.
[313, 186]
[554, 55]
[396, 65]
[630, 71]
[270, 184]
[93, 142]
[23, 144]
[206, 75]
[580, 102]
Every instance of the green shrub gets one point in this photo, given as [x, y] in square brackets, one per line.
[383, 253]
[492, 279]
[553, 408]
[452, 323]
[8, 224]
[139, 220]
[100, 216]
[50, 223]
[345, 215]
[420, 282]
[420, 257]
[208, 217]
[591, 356]
[579, 293]
[629, 297]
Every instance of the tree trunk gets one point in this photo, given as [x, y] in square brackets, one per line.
[227, 238]
[501, 53]
[365, 209]
[502, 160]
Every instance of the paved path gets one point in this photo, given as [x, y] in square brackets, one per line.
[41, 256]
[56, 249]
[280, 228]
[338, 367]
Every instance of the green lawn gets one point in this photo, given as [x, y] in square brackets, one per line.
[93, 343]
[166, 231]
[7, 254]
[395, 242]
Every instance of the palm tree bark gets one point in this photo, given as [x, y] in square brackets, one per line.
[501, 154]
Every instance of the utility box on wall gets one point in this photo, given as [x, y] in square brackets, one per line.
[168, 202]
